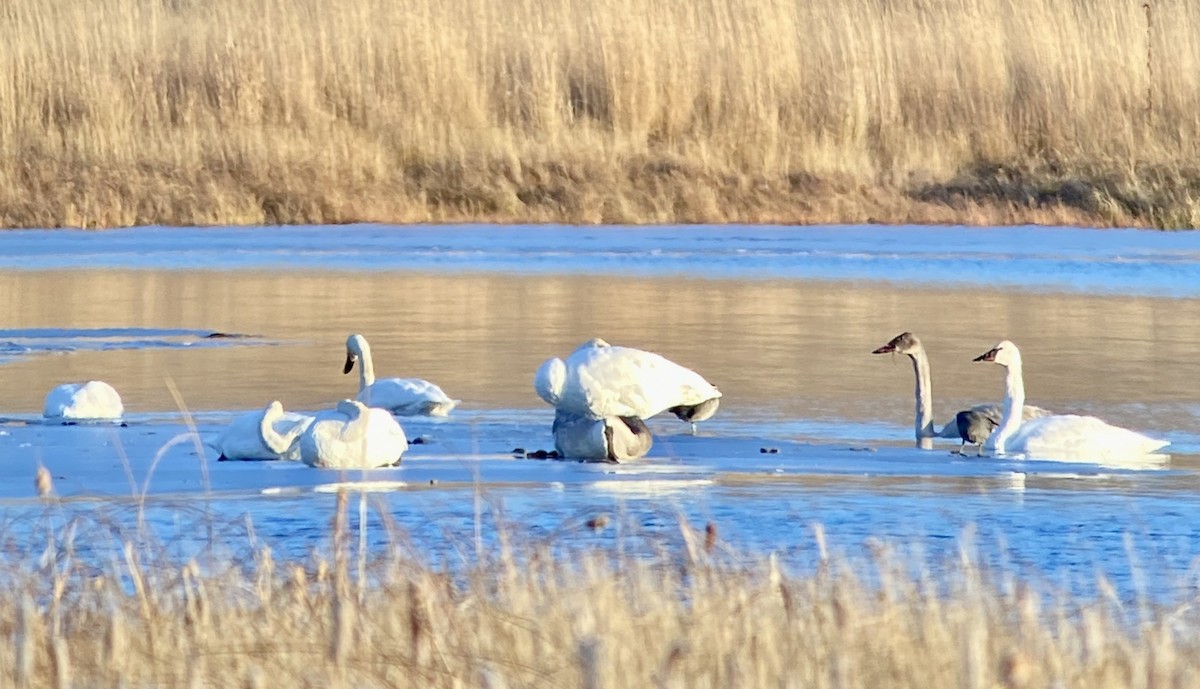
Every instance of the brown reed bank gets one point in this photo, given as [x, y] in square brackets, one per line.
[123, 112]
[524, 616]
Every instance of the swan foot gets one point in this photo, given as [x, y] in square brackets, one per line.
[693, 429]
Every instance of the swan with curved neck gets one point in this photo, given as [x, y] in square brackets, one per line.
[268, 434]
[351, 436]
[976, 417]
[611, 439]
[403, 396]
[1061, 436]
[600, 381]
[94, 400]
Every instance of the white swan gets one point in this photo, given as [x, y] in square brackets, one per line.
[352, 436]
[981, 414]
[404, 396]
[91, 401]
[268, 434]
[1060, 436]
[613, 439]
[599, 380]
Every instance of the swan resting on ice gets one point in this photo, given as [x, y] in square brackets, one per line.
[1060, 436]
[91, 401]
[352, 436]
[268, 434]
[971, 426]
[611, 439]
[403, 396]
[599, 381]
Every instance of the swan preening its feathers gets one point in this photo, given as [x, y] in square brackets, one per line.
[352, 436]
[403, 396]
[268, 434]
[1060, 436]
[969, 425]
[602, 394]
[91, 401]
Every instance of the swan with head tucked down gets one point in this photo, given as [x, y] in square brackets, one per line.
[1059, 436]
[268, 434]
[611, 439]
[91, 401]
[403, 396]
[351, 436]
[969, 425]
[599, 380]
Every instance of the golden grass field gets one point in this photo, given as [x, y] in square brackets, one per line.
[527, 615]
[121, 112]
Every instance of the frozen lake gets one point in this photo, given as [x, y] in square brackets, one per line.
[782, 319]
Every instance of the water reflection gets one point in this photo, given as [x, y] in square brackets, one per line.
[775, 348]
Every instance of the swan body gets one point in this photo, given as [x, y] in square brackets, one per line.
[612, 439]
[268, 434]
[908, 344]
[599, 381]
[403, 396]
[353, 436]
[91, 401]
[1057, 436]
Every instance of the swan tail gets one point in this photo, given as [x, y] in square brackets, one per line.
[950, 430]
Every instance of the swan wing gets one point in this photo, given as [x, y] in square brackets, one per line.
[1081, 437]
[407, 397]
[241, 439]
[607, 381]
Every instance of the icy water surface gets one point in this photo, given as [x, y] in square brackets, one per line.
[782, 320]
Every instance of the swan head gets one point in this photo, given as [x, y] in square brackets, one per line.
[549, 380]
[593, 343]
[1004, 353]
[352, 409]
[355, 346]
[904, 343]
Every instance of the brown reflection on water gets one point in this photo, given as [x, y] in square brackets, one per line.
[791, 348]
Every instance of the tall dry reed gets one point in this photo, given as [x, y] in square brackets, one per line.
[523, 615]
[119, 112]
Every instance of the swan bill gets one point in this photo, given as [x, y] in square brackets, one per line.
[349, 362]
[989, 355]
[903, 343]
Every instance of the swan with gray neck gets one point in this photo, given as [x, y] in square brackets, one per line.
[923, 427]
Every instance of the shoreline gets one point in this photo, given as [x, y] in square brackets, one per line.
[678, 203]
[978, 112]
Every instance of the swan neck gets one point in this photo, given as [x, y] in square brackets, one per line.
[923, 422]
[1014, 404]
[366, 367]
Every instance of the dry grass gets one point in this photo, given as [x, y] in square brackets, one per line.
[120, 112]
[524, 616]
